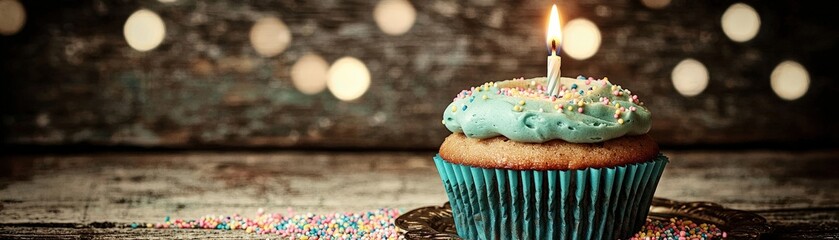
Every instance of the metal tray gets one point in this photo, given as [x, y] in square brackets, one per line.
[436, 222]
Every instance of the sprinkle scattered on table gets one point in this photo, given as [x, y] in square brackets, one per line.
[678, 229]
[378, 224]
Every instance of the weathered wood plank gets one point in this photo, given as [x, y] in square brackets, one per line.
[70, 78]
[89, 196]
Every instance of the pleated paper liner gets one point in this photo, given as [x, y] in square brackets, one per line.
[593, 203]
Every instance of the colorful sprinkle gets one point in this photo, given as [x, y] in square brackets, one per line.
[378, 224]
[517, 108]
[678, 229]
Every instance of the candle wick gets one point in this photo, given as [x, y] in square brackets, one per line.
[553, 47]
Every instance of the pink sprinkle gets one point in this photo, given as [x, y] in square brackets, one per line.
[623, 109]
[632, 109]
[588, 81]
[617, 116]
[580, 110]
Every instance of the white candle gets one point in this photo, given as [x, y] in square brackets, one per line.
[553, 40]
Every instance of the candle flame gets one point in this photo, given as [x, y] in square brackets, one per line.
[554, 38]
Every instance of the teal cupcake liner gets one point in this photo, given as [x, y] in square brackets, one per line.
[593, 203]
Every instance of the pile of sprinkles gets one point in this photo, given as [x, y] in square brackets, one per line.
[377, 224]
[678, 229]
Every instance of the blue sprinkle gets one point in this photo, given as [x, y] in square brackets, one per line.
[470, 100]
[464, 107]
[581, 77]
[166, 219]
[133, 225]
[574, 86]
[581, 92]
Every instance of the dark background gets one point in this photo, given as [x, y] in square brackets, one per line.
[68, 79]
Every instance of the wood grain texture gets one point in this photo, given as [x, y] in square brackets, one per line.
[89, 196]
[70, 78]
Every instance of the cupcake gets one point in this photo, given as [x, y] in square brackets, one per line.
[523, 165]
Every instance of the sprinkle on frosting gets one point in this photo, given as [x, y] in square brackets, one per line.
[585, 110]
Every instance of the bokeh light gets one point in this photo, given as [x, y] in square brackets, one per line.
[144, 30]
[690, 77]
[12, 17]
[790, 80]
[270, 36]
[348, 79]
[580, 38]
[394, 17]
[309, 74]
[656, 4]
[740, 22]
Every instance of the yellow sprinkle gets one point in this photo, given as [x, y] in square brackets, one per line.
[617, 105]
[620, 121]
[521, 102]
[454, 108]
[617, 111]
[517, 108]
[478, 89]
[484, 97]
[443, 121]
[580, 103]
[570, 108]
[606, 78]
[556, 106]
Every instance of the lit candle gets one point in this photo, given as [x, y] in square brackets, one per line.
[553, 41]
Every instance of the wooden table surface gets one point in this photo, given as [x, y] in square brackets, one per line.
[92, 195]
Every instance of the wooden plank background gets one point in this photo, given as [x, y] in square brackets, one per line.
[69, 77]
[95, 195]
